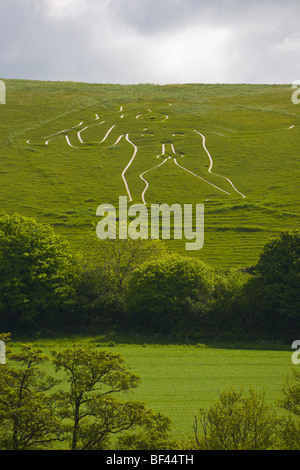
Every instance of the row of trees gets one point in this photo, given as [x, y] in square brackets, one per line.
[35, 413]
[140, 286]
[83, 410]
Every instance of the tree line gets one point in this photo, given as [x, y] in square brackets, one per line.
[139, 286]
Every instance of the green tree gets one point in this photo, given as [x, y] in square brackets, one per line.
[119, 258]
[27, 417]
[274, 291]
[89, 406]
[6, 337]
[227, 316]
[289, 431]
[159, 291]
[37, 274]
[155, 434]
[237, 422]
[106, 274]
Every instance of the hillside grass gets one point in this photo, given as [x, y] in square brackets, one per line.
[247, 134]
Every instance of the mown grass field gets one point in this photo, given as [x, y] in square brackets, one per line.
[251, 132]
[179, 379]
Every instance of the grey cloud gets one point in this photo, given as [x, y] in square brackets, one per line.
[157, 41]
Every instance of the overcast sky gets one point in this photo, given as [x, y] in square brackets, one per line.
[151, 41]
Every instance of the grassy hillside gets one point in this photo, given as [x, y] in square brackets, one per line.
[55, 168]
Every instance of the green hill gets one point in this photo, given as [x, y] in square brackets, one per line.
[66, 148]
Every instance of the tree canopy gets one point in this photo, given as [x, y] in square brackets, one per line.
[37, 273]
[83, 411]
[274, 291]
[158, 288]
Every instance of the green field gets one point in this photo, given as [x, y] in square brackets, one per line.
[251, 134]
[177, 380]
